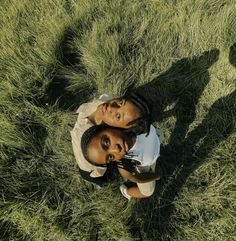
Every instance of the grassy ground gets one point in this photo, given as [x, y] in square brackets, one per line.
[55, 55]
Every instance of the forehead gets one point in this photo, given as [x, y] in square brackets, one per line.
[130, 111]
[95, 151]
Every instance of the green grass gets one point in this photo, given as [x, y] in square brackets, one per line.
[55, 55]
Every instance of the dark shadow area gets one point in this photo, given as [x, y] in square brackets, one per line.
[232, 55]
[179, 89]
[9, 231]
[217, 126]
[70, 59]
[181, 86]
[57, 91]
[64, 52]
[38, 134]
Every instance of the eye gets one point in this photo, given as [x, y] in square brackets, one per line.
[117, 116]
[110, 158]
[121, 102]
[106, 142]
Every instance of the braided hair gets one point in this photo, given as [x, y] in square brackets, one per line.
[89, 134]
[86, 139]
[143, 123]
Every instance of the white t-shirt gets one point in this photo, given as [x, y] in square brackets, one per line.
[81, 125]
[146, 150]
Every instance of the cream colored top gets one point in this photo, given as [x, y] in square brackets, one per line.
[81, 125]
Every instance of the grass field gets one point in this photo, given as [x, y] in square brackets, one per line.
[58, 54]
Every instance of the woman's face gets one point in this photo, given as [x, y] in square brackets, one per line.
[109, 145]
[118, 112]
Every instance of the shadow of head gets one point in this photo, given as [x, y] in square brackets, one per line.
[183, 84]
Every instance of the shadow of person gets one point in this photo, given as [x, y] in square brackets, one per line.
[217, 126]
[181, 87]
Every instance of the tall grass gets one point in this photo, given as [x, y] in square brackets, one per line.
[55, 55]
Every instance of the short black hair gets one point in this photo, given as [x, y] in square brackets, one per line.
[143, 123]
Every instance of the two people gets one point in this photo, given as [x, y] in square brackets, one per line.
[117, 131]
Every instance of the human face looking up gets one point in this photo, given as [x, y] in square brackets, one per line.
[118, 112]
[109, 145]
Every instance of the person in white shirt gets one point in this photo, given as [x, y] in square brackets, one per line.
[128, 112]
[135, 156]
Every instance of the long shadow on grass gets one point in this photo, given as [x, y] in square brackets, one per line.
[178, 89]
[216, 127]
[70, 60]
[57, 91]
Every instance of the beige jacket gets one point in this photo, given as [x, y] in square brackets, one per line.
[81, 125]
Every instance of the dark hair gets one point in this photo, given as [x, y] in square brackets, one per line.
[86, 138]
[143, 123]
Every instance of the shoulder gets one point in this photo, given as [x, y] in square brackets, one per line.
[89, 107]
[86, 107]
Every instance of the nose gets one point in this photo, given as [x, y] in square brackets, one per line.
[115, 149]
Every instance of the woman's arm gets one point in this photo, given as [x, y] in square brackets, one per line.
[141, 177]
